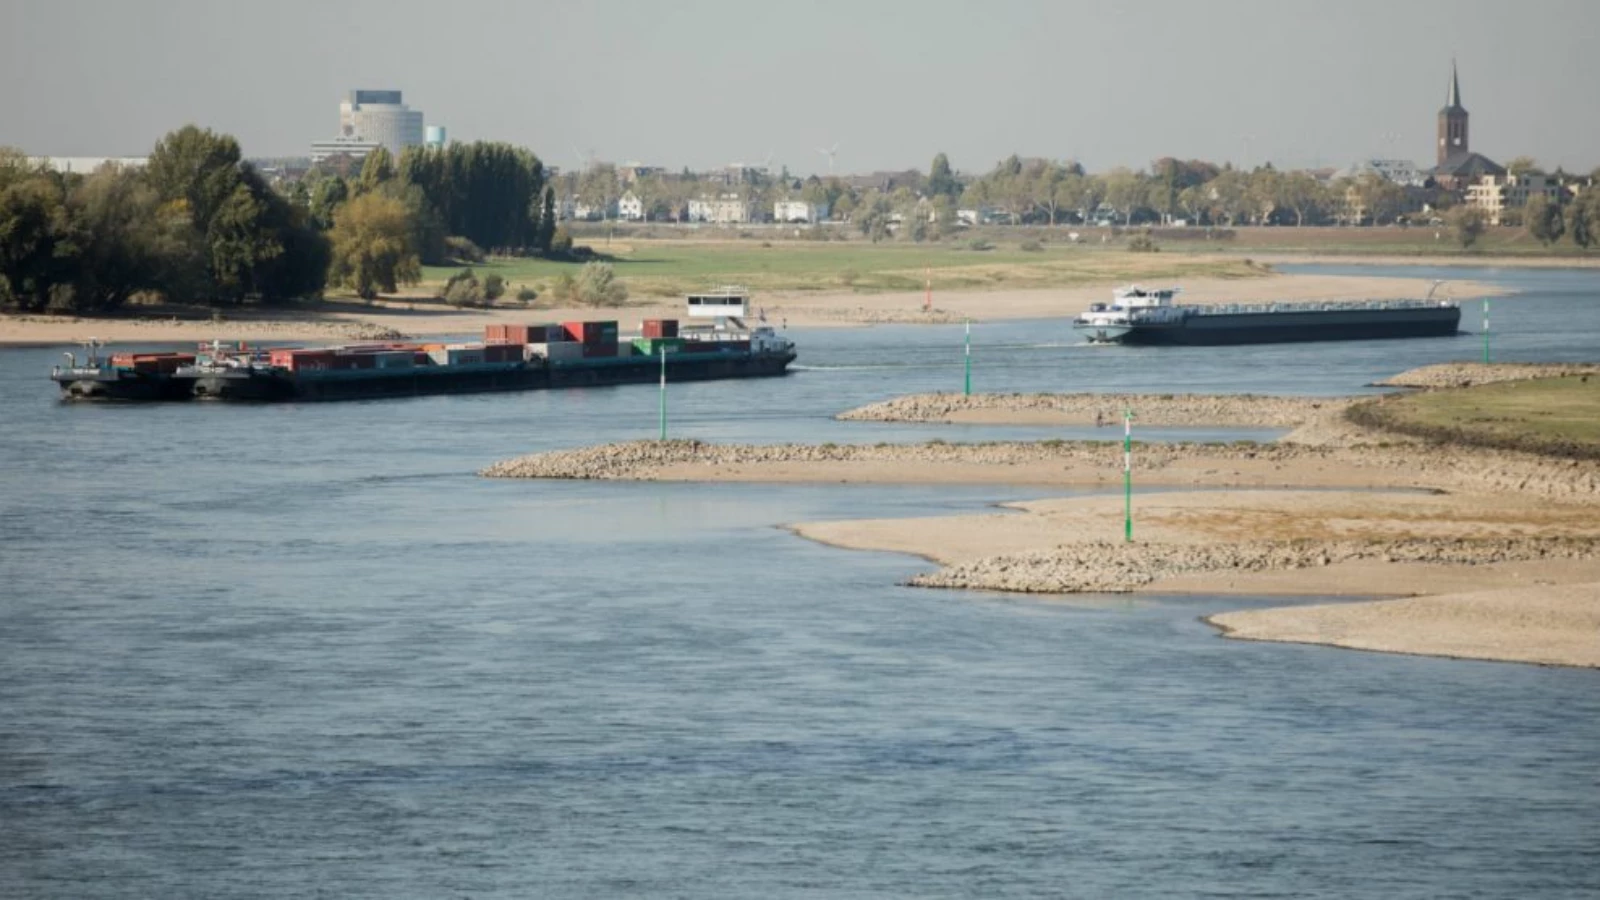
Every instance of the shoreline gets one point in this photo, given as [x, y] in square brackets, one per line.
[400, 318]
[1330, 509]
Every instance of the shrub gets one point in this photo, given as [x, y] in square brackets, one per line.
[561, 241]
[462, 250]
[527, 294]
[494, 287]
[597, 285]
[464, 289]
[1143, 243]
[1030, 246]
[980, 245]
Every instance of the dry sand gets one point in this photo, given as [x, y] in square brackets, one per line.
[419, 317]
[1426, 519]
[1553, 624]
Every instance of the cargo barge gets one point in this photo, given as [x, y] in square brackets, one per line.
[509, 358]
[1145, 316]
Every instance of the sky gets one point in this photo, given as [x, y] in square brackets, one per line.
[704, 83]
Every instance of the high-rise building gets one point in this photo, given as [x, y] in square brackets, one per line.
[380, 117]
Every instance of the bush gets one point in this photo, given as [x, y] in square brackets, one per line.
[464, 289]
[597, 285]
[1143, 243]
[980, 245]
[494, 287]
[565, 289]
[527, 294]
[462, 250]
[1030, 247]
[561, 241]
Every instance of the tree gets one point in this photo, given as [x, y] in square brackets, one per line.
[1469, 223]
[127, 243]
[37, 241]
[872, 215]
[1125, 192]
[372, 246]
[1585, 218]
[941, 181]
[1542, 217]
[1300, 193]
[1523, 165]
[598, 188]
[326, 197]
[376, 170]
[197, 166]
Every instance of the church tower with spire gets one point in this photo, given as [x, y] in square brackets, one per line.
[1452, 121]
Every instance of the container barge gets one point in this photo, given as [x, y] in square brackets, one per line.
[1143, 316]
[511, 357]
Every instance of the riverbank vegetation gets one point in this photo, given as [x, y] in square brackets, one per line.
[1549, 416]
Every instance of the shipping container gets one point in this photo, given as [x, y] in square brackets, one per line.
[592, 332]
[354, 361]
[592, 351]
[393, 359]
[457, 356]
[654, 346]
[660, 328]
[503, 352]
[563, 351]
[519, 334]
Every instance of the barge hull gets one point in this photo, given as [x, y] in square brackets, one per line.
[1291, 327]
[425, 381]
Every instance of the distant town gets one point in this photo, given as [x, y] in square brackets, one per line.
[1017, 191]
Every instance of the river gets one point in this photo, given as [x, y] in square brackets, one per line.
[301, 650]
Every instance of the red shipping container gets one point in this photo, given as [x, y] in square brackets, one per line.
[494, 334]
[660, 328]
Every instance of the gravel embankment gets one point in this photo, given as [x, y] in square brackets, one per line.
[1219, 410]
[1106, 567]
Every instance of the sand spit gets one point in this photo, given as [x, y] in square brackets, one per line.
[1552, 625]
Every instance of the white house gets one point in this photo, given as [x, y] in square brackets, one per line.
[630, 208]
[584, 211]
[799, 211]
[727, 209]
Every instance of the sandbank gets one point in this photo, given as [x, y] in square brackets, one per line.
[1331, 509]
[421, 317]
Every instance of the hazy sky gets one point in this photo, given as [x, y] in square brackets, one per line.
[704, 82]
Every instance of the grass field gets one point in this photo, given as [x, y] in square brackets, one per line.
[1556, 416]
[675, 267]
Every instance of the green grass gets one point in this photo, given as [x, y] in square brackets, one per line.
[669, 268]
[1557, 416]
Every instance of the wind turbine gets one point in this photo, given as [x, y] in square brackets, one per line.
[829, 152]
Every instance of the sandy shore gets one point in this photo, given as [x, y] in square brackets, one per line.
[1555, 624]
[418, 317]
[1332, 509]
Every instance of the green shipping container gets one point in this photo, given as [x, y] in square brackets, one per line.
[653, 346]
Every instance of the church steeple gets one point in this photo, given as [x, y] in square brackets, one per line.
[1452, 120]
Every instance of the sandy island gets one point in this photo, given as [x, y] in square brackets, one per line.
[419, 317]
[1505, 545]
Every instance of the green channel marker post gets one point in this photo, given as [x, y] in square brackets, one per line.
[968, 390]
[1486, 331]
[663, 392]
[1127, 475]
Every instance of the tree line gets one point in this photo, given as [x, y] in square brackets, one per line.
[1048, 192]
[199, 224]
